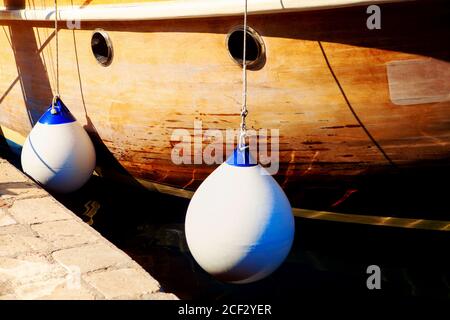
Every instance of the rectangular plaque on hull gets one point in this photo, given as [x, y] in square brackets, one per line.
[418, 81]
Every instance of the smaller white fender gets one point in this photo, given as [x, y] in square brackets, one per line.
[58, 153]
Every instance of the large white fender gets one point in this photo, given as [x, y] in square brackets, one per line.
[239, 223]
[58, 152]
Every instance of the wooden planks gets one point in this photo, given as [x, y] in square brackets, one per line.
[166, 74]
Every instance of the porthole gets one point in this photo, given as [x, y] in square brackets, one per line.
[101, 46]
[255, 49]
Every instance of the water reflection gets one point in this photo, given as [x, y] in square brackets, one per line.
[328, 258]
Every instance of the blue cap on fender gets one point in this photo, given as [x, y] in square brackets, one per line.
[241, 158]
[61, 116]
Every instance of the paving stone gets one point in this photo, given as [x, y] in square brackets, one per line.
[20, 190]
[52, 289]
[36, 244]
[5, 219]
[62, 292]
[37, 290]
[33, 225]
[3, 202]
[14, 183]
[91, 257]
[9, 173]
[38, 210]
[34, 277]
[18, 229]
[13, 244]
[38, 257]
[6, 286]
[65, 233]
[122, 283]
[160, 296]
[20, 273]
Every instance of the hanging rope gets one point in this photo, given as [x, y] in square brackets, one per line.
[56, 96]
[244, 111]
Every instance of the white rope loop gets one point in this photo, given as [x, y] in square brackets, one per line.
[56, 96]
[54, 100]
[244, 111]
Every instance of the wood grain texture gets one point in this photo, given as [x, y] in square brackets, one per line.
[324, 86]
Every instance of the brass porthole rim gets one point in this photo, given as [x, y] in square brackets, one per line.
[260, 60]
[109, 45]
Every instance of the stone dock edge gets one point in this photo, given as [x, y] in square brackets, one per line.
[47, 252]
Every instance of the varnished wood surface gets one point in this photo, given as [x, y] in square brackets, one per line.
[324, 85]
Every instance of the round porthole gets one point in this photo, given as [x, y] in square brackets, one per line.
[255, 49]
[101, 46]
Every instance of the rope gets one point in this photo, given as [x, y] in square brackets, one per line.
[56, 96]
[244, 111]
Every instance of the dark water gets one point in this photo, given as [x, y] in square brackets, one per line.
[328, 259]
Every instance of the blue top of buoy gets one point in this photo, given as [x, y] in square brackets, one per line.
[241, 158]
[61, 116]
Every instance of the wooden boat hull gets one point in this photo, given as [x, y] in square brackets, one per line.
[348, 101]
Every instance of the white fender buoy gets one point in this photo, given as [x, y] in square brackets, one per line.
[58, 153]
[239, 224]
